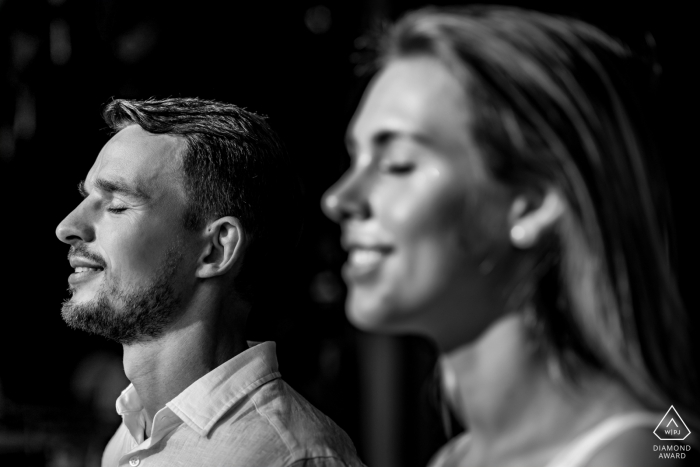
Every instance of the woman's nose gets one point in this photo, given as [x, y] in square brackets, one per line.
[347, 198]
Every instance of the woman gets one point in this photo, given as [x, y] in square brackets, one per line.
[501, 202]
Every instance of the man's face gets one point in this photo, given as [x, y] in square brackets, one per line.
[127, 240]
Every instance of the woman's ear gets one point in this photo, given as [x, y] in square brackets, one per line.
[532, 216]
[226, 243]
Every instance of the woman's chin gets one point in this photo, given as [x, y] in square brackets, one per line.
[364, 313]
[374, 315]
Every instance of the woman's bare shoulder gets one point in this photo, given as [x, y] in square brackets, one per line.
[452, 453]
[639, 447]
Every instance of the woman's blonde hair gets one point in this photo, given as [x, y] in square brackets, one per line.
[558, 103]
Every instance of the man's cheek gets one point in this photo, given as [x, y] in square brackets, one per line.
[138, 254]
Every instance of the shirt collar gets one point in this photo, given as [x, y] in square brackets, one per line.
[206, 400]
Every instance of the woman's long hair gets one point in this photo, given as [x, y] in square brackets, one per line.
[558, 103]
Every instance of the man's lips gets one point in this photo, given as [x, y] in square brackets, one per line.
[80, 269]
[84, 270]
[83, 263]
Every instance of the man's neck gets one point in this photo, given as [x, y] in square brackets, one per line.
[162, 368]
[501, 389]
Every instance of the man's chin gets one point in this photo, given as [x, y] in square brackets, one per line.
[138, 318]
[83, 294]
[85, 316]
[125, 315]
[98, 317]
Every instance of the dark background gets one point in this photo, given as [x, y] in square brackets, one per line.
[294, 61]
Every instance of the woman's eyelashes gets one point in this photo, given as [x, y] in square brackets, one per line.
[398, 168]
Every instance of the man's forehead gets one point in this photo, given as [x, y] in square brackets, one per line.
[134, 154]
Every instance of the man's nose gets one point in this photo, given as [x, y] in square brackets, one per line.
[75, 227]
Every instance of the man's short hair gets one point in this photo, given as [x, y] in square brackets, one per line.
[233, 165]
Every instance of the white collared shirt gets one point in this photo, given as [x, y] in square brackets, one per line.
[239, 414]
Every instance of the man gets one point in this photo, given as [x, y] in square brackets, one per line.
[184, 208]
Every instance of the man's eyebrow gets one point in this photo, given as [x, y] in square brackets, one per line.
[115, 186]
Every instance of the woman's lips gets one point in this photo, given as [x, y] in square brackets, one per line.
[363, 262]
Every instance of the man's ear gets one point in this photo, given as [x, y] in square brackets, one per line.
[226, 243]
[532, 215]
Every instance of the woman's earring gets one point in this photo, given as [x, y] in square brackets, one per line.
[521, 237]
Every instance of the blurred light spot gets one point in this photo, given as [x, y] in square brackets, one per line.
[330, 359]
[24, 48]
[56, 2]
[134, 45]
[59, 34]
[326, 288]
[64, 455]
[25, 115]
[361, 42]
[318, 19]
[7, 150]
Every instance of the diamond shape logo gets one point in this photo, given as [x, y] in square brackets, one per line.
[671, 427]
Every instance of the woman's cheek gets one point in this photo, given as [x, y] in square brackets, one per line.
[426, 202]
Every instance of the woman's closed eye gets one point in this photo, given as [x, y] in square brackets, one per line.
[398, 168]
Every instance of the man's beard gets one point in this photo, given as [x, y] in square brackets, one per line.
[129, 315]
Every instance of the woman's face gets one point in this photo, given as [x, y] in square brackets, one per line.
[425, 226]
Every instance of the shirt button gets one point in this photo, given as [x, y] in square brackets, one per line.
[134, 461]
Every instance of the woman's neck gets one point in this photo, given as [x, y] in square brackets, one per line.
[500, 388]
